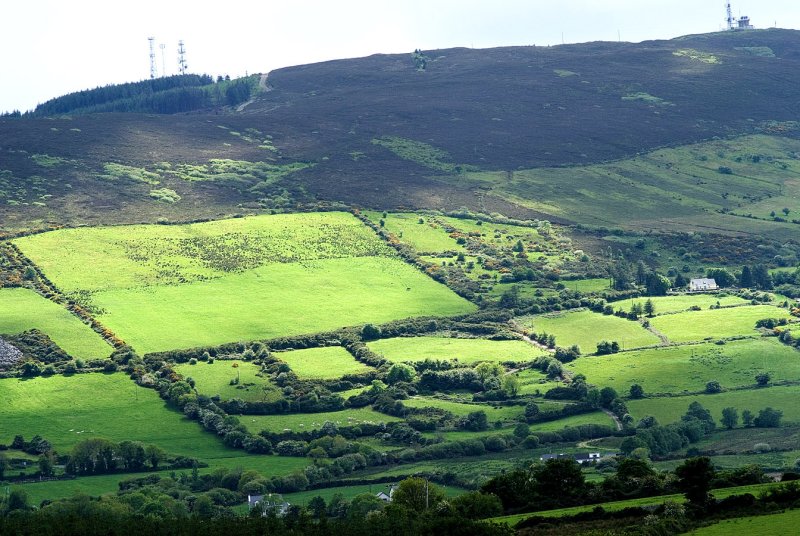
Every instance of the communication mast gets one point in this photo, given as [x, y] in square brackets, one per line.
[152, 57]
[729, 13]
[181, 57]
[162, 46]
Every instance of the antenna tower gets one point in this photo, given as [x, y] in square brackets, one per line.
[729, 13]
[152, 57]
[181, 57]
[162, 46]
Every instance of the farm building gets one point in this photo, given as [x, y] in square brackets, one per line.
[581, 458]
[701, 285]
[273, 503]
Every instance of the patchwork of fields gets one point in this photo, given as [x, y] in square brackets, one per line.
[167, 287]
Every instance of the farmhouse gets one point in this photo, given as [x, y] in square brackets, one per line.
[273, 503]
[701, 285]
[382, 495]
[581, 458]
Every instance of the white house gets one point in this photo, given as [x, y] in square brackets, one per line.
[386, 497]
[273, 502]
[701, 285]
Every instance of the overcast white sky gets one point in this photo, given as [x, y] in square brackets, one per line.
[52, 47]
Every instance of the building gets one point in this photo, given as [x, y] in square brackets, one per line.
[744, 23]
[382, 495]
[702, 285]
[271, 503]
[587, 457]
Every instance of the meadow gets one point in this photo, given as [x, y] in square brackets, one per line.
[777, 524]
[670, 409]
[168, 287]
[349, 492]
[586, 329]
[460, 409]
[326, 363]
[687, 368]
[67, 409]
[414, 349]
[310, 421]
[22, 309]
[682, 302]
[715, 323]
[215, 379]
[425, 237]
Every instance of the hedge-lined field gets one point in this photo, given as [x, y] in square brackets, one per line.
[414, 349]
[22, 309]
[324, 363]
[215, 379]
[715, 323]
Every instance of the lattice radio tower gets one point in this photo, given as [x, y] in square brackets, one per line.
[182, 57]
[729, 13]
[152, 57]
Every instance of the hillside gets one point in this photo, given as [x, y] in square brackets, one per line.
[379, 132]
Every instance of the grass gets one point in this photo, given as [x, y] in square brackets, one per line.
[614, 506]
[308, 421]
[427, 237]
[677, 369]
[776, 524]
[678, 303]
[668, 410]
[716, 323]
[461, 409]
[168, 287]
[22, 309]
[588, 285]
[66, 409]
[531, 380]
[215, 379]
[414, 349]
[326, 363]
[586, 329]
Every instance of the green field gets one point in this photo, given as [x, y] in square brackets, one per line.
[167, 287]
[677, 369]
[309, 421]
[586, 329]
[531, 380]
[670, 409]
[716, 323]
[587, 285]
[682, 302]
[349, 492]
[215, 379]
[326, 363]
[67, 409]
[426, 237]
[414, 349]
[778, 524]
[461, 409]
[22, 309]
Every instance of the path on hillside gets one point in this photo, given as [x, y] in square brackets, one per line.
[615, 418]
[664, 339]
[262, 84]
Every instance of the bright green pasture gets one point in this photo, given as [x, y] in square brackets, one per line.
[22, 309]
[676, 369]
[326, 363]
[668, 410]
[531, 380]
[587, 285]
[586, 329]
[133, 256]
[275, 300]
[215, 379]
[308, 421]
[460, 409]
[682, 302]
[67, 409]
[414, 349]
[778, 524]
[715, 323]
[426, 237]
[597, 417]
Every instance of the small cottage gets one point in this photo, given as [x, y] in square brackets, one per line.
[702, 285]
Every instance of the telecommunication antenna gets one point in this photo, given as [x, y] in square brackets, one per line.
[152, 57]
[181, 57]
[729, 13]
[162, 46]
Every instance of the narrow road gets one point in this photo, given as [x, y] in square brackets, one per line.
[614, 417]
[263, 87]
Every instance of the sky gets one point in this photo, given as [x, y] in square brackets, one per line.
[53, 47]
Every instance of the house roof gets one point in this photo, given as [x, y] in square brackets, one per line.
[703, 281]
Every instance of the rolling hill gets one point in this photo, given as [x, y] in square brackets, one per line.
[515, 130]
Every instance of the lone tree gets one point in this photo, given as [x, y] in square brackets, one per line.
[694, 480]
[763, 378]
[649, 308]
[730, 418]
[637, 391]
